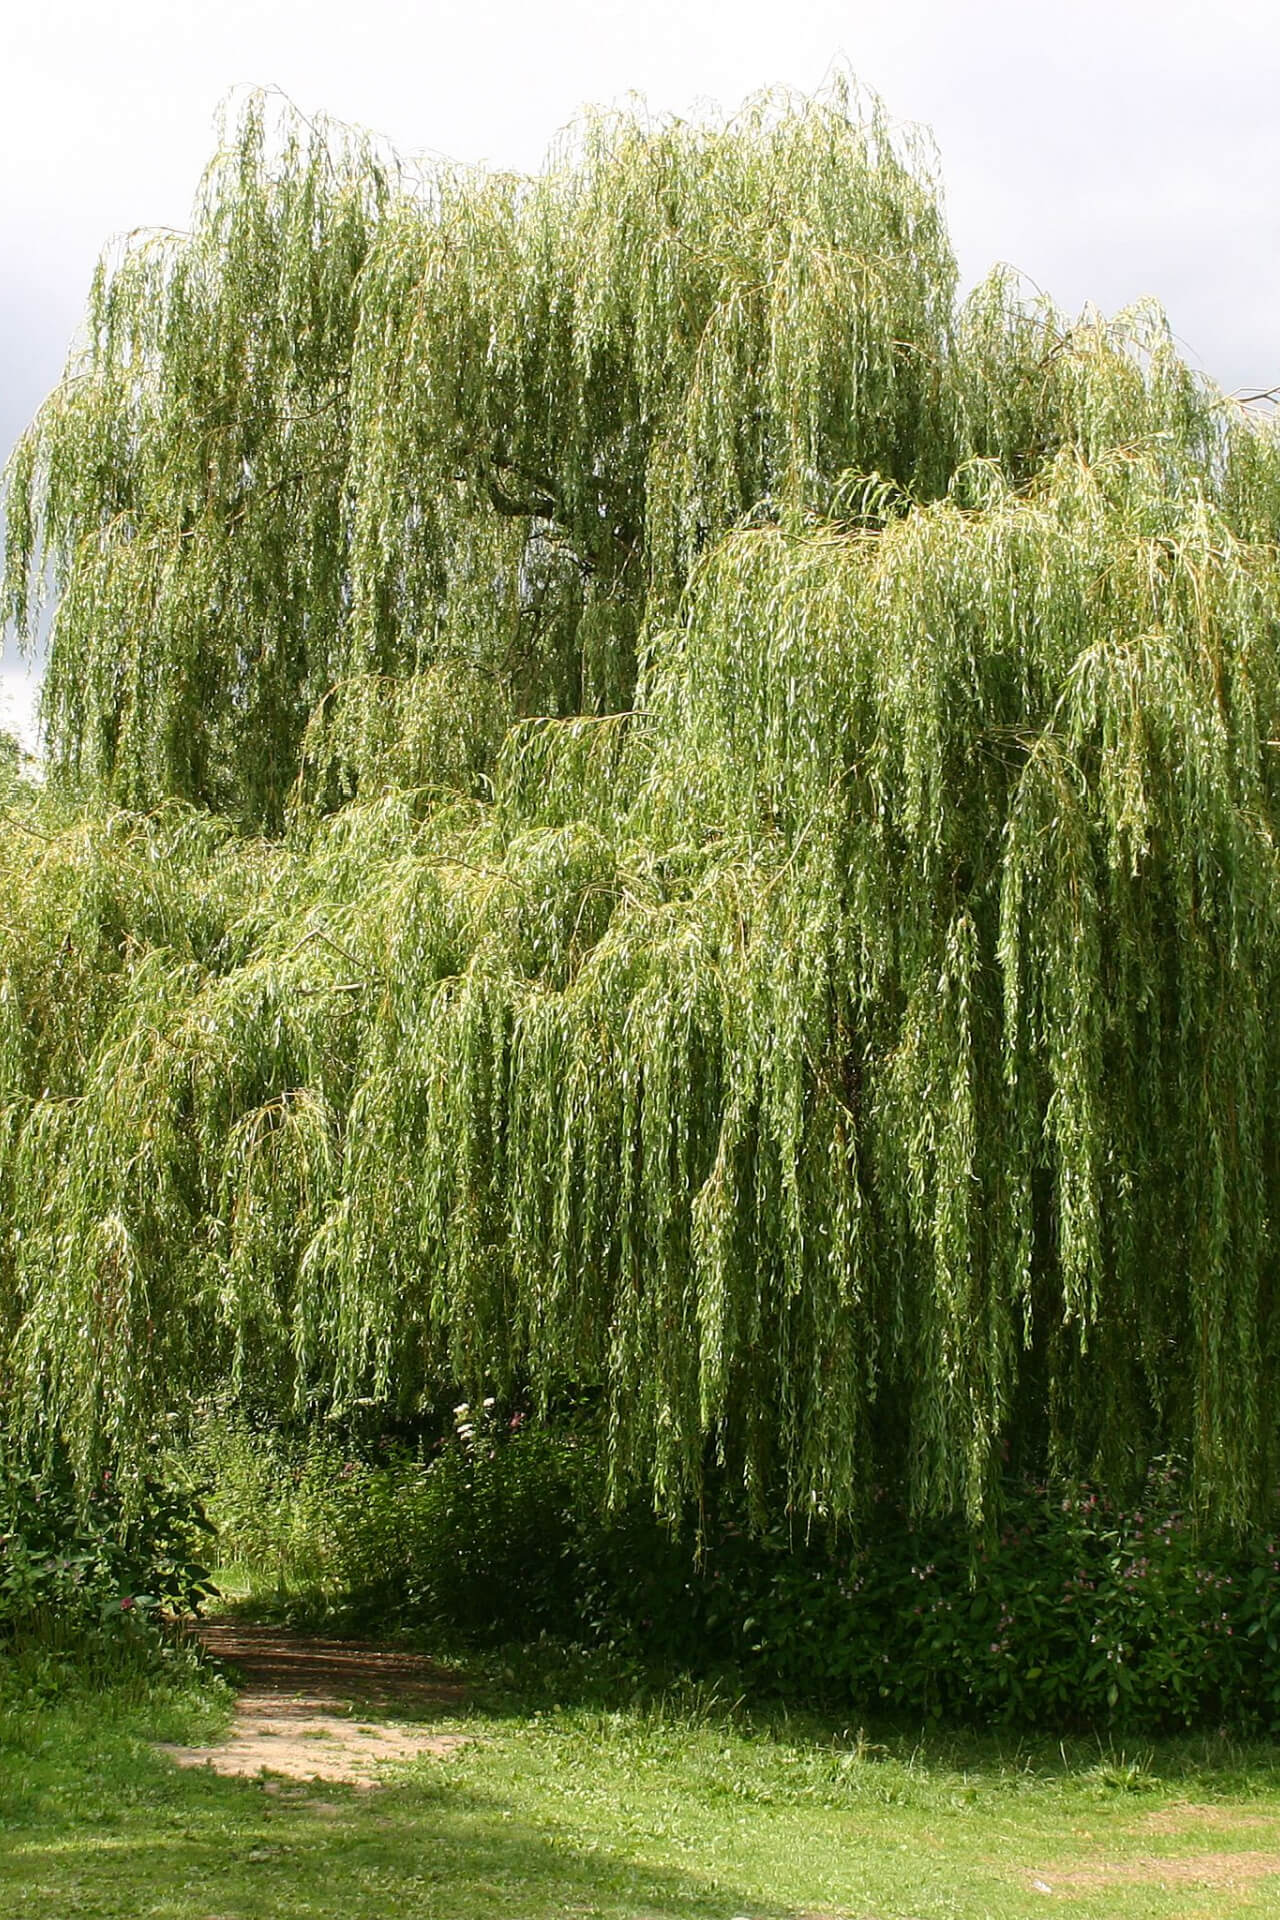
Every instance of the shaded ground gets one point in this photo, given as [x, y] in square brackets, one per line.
[666, 1810]
[298, 1713]
[315, 1710]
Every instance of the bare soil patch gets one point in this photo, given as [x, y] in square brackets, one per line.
[1191, 1815]
[276, 1661]
[298, 1714]
[1220, 1872]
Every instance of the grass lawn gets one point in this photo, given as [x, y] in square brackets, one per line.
[681, 1810]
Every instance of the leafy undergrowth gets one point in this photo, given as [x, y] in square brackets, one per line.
[680, 1805]
[1080, 1615]
[86, 1577]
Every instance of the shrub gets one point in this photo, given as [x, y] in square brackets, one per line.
[74, 1569]
[494, 1531]
[1076, 1613]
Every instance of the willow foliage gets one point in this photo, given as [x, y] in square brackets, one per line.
[359, 420]
[777, 918]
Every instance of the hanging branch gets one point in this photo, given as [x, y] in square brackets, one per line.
[863, 1072]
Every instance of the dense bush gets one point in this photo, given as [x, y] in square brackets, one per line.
[75, 1569]
[1076, 1613]
[492, 1533]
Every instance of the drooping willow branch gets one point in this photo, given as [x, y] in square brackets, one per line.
[788, 765]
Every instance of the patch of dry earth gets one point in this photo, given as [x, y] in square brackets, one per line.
[298, 1714]
[1187, 1815]
[1219, 1872]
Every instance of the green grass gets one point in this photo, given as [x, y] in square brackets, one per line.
[681, 1808]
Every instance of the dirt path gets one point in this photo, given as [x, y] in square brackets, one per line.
[299, 1711]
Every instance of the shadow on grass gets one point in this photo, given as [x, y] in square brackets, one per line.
[514, 1682]
[190, 1846]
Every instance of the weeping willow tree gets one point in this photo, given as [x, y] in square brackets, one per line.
[363, 421]
[643, 804]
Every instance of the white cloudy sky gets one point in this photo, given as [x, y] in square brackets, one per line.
[1109, 148]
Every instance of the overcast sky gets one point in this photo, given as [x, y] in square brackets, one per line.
[1107, 150]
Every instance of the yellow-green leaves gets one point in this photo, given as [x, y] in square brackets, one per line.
[776, 924]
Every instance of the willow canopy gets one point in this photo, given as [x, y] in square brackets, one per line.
[644, 804]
